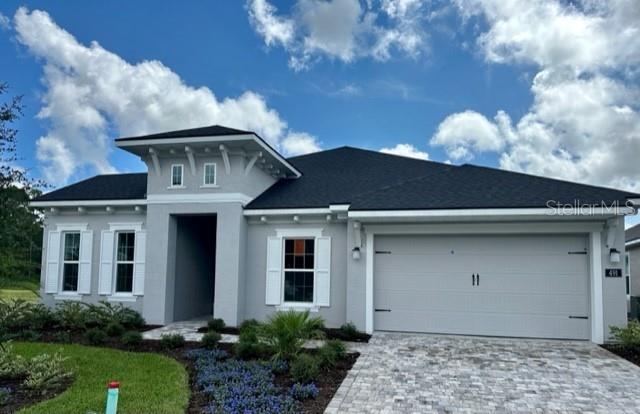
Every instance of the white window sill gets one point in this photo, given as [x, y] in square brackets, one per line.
[122, 298]
[300, 307]
[68, 296]
[176, 187]
[209, 186]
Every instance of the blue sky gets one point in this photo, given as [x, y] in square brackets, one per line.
[446, 78]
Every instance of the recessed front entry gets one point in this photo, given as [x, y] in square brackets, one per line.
[502, 285]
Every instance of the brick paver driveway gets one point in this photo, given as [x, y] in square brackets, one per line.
[414, 373]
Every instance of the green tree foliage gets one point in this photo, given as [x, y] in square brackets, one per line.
[21, 229]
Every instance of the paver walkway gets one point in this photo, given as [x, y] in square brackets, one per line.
[415, 373]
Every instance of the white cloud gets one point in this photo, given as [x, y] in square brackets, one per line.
[585, 35]
[466, 132]
[343, 29]
[271, 27]
[5, 23]
[299, 143]
[91, 92]
[406, 150]
[584, 123]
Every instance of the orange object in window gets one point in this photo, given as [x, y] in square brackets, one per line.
[298, 247]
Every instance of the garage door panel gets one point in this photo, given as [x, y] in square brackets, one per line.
[474, 263]
[464, 323]
[529, 285]
[468, 301]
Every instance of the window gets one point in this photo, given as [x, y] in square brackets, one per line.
[298, 270]
[124, 261]
[176, 175]
[210, 174]
[71, 261]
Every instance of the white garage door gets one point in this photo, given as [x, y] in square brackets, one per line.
[527, 286]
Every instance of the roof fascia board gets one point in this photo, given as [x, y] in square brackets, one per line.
[632, 243]
[287, 211]
[88, 203]
[496, 212]
[132, 142]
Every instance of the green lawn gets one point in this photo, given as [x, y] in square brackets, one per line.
[26, 289]
[149, 383]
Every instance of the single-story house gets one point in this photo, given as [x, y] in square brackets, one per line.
[224, 225]
[632, 268]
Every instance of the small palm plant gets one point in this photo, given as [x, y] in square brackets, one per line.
[286, 332]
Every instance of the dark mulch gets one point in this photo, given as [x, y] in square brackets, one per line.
[631, 354]
[229, 330]
[21, 397]
[331, 333]
[327, 383]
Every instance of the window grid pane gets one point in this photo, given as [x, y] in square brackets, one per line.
[124, 277]
[70, 277]
[72, 246]
[126, 243]
[298, 286]
[209, 174]
[176, 175]
[299, 254]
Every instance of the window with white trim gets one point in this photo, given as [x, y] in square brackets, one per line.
[299, 270]
[209, 174]
[125, 260]
[70, 261]
[177, 175]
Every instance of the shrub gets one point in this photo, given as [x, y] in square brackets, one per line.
[96, 336]
[286, 332]
[305, 368]
[71, 316]
[331, 352]
[172, 341]
[11, 365]
[114, 329]
[211, 339]
[249, 345]
[29, 335]
[5, 394]
[45, 372]
[248, 324]
[62, 336]
[349, 330]
[236, 386]
[17, 315]
[278, 366]
[628, 336]
[104, 313]
[131, 338]
[302, 392]
[216, 324]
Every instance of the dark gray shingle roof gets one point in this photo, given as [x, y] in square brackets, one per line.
[208, 131]
[370, 180]
[102, 187]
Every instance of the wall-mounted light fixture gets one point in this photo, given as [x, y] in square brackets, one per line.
[614, 256]
[355, 253]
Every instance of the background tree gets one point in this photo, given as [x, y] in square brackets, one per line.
[20, 225]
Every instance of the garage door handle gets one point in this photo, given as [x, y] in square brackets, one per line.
[578, 317]
[473, 279]
[478, 279]
[383, 310]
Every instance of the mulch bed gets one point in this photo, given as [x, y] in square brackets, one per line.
[327, 383]
[20, 397]
[631, 354]
[331, 333]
